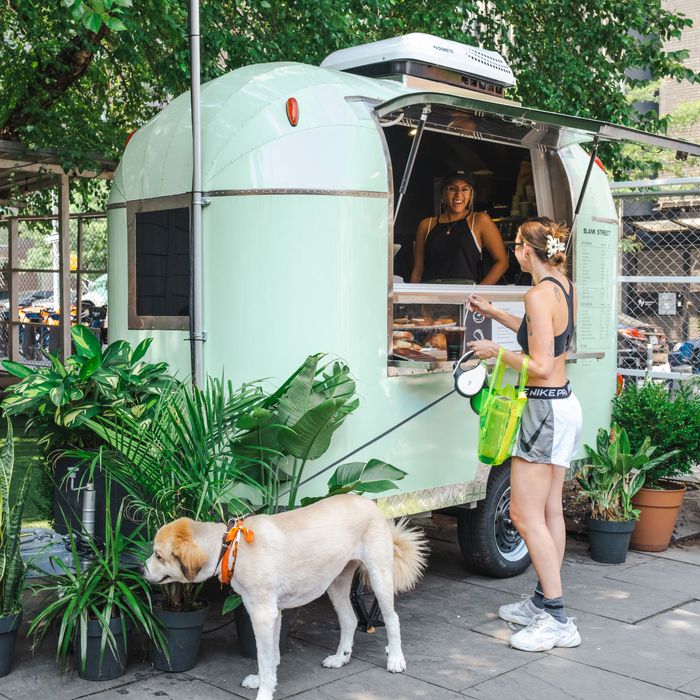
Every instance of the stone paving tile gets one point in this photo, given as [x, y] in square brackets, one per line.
[168, 686]
[552, 677]
[664, 650]
[32, 675]
[692, 688]
[376, 684]
[690, 554]
[300, 669]
[663, 575]
[448, 655]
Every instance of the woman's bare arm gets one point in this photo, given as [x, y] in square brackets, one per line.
[491, 240]
[419, 250]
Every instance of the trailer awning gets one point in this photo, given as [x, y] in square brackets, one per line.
[515, 124]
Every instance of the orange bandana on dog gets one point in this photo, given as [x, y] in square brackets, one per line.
[232, 538]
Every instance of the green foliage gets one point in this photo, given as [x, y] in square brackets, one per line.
[614, 474]
[374, 476]
[101, 588]
[13, 570]
[296, 424]
[59, 400]
[131, 60]
[670, 422]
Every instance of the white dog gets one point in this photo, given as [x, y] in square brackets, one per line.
[293, 558]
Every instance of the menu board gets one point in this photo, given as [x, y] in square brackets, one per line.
[478, 327]
[595, 262]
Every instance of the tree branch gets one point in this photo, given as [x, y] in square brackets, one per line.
[51, 84]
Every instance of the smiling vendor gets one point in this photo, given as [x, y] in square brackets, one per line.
[448, 247]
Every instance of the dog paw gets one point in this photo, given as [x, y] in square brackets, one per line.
[251, 681]
[396, 664]
[336, 660]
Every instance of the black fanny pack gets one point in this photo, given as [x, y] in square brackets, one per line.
[548, 392]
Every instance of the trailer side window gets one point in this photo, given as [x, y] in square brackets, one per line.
[159, 260]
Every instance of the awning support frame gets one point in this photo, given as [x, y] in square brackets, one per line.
[584, 187]
[411, 158]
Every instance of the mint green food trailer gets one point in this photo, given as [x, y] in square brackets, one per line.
[314, 180]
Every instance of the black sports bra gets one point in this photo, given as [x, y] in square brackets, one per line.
[562, 342]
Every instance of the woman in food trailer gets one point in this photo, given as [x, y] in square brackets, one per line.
[448, 247]
[549, 432]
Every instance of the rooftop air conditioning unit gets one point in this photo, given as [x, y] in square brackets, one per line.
[428, 58]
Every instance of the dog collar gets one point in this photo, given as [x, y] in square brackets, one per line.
[229, 547]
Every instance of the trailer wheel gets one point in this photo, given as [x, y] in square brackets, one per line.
[488, 539]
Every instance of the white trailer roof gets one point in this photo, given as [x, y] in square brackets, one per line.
[425, 48]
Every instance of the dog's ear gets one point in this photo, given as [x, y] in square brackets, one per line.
[187, 551]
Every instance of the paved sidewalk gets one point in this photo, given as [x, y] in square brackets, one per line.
[640, 624]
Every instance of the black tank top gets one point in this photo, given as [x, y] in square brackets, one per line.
[562, 342]
[451, 252]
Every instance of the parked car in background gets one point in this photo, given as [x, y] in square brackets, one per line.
[96, 292]
[686, 355]
[633, 337]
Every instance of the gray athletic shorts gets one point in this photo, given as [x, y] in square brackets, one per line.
[550, 430]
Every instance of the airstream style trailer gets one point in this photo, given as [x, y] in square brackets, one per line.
[314, 180]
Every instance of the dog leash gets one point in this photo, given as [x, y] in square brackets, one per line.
[375, 439]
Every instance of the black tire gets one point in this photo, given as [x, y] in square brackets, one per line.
[489, 542]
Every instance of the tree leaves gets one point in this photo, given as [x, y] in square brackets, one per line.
[142, 60]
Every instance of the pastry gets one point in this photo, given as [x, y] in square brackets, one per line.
[403, 344]
[403, 335]
[444, 321]
[439, 341]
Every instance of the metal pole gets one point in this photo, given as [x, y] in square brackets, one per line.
[197, 335]
[64, 264]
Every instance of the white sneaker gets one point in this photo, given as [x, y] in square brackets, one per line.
[521, 613]
[545, 633]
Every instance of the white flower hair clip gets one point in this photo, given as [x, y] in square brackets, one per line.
[554, 245]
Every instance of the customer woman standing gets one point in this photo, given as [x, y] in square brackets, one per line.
[549, 431]
[448, 247]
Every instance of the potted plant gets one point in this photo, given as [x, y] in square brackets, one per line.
[672, 422]
[292, 427]
[13, 570]
[215, 452]
[95, 602]
[611, 478]
[59, 399]
[182, 465]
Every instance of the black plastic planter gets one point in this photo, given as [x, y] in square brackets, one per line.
[9, 626]
[609, 540]
[246, 636]
[183, 632]
[112, 665]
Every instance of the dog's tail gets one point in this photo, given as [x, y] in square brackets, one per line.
[410, 554]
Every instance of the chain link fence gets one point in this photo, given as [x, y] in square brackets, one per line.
[659, 276]
[36, 275]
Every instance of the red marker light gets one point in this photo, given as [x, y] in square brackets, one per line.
[128, 138]
[599, 163]
[293, 111]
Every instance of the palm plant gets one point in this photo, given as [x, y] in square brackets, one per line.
[614, 474]
[13, 570]
[101, 588]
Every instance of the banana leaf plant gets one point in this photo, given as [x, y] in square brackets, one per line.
[60, 398]
[13, 570]
[613, 474]
[295, 426]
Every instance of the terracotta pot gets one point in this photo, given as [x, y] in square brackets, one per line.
[659, 512]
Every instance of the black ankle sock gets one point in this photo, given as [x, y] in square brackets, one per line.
[555, 607]
[538, 597]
